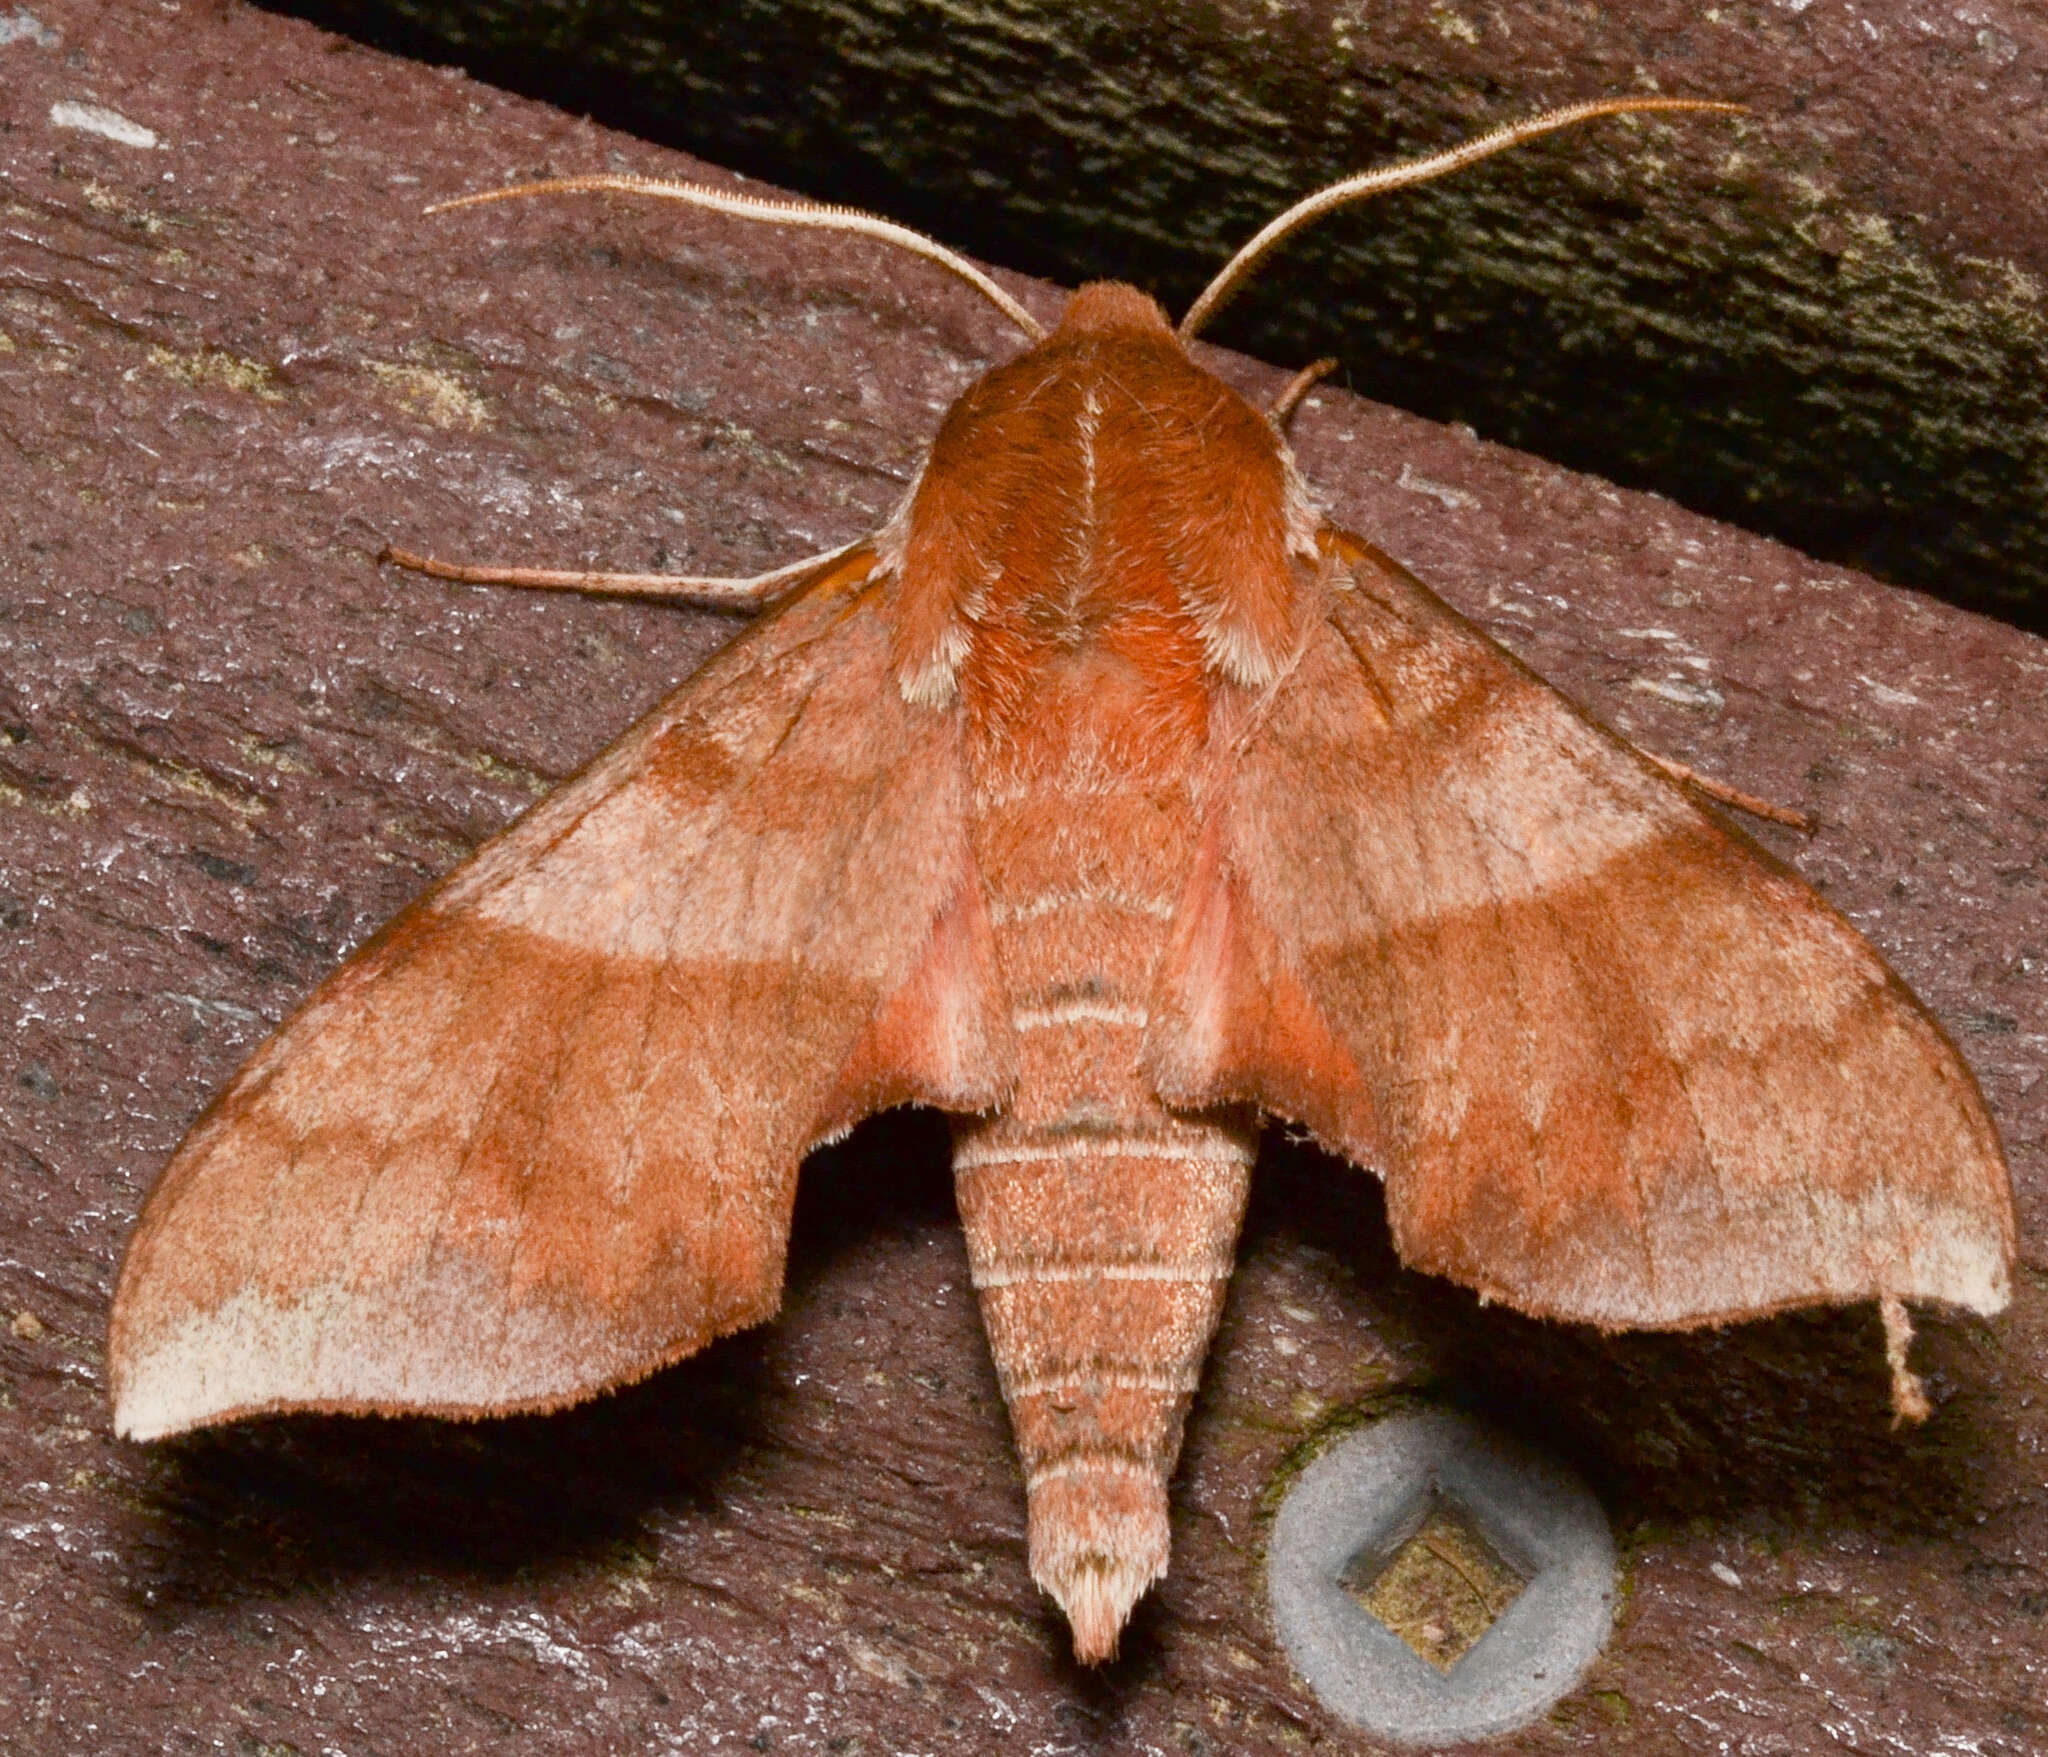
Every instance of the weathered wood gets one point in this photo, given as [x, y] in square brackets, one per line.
[234, 365]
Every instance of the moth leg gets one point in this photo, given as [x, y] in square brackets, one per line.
[1909, 1396]
[1732, 797]
[751, 592]
[1298, 387]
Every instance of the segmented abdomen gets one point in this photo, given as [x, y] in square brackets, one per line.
[1101, 1227]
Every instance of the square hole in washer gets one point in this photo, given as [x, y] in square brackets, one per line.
[1442, 1589]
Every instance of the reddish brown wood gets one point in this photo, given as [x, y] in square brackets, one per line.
[769, 1544]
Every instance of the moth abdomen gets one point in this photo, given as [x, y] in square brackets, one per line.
[1100, 1225]
[1101, 1256]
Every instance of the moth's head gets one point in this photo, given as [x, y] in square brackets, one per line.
[1112, 308]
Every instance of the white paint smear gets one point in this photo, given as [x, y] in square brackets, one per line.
[1890, 697]
[98, 119]
[1680, 690]
[1417, 483]
[22, 26]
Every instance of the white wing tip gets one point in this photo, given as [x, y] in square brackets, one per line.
[345, 1349]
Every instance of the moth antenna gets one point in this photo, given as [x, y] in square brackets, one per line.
[1733, 797]
[1225, 286]
[1909, 1396]
[774, 213]
[713, 592]
[1298, 387]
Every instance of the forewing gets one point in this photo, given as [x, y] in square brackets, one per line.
[1614, 1062]
[541, 1135]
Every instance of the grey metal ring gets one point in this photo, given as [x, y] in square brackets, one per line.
[1356, 1507]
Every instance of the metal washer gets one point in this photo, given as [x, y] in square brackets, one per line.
[1362, 1500]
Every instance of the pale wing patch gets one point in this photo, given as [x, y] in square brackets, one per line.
[413, 1347]
[676, 878]
[1506, 833]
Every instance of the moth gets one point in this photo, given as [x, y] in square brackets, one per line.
[1110, 799]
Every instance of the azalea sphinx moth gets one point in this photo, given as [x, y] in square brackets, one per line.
[1110, 799]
